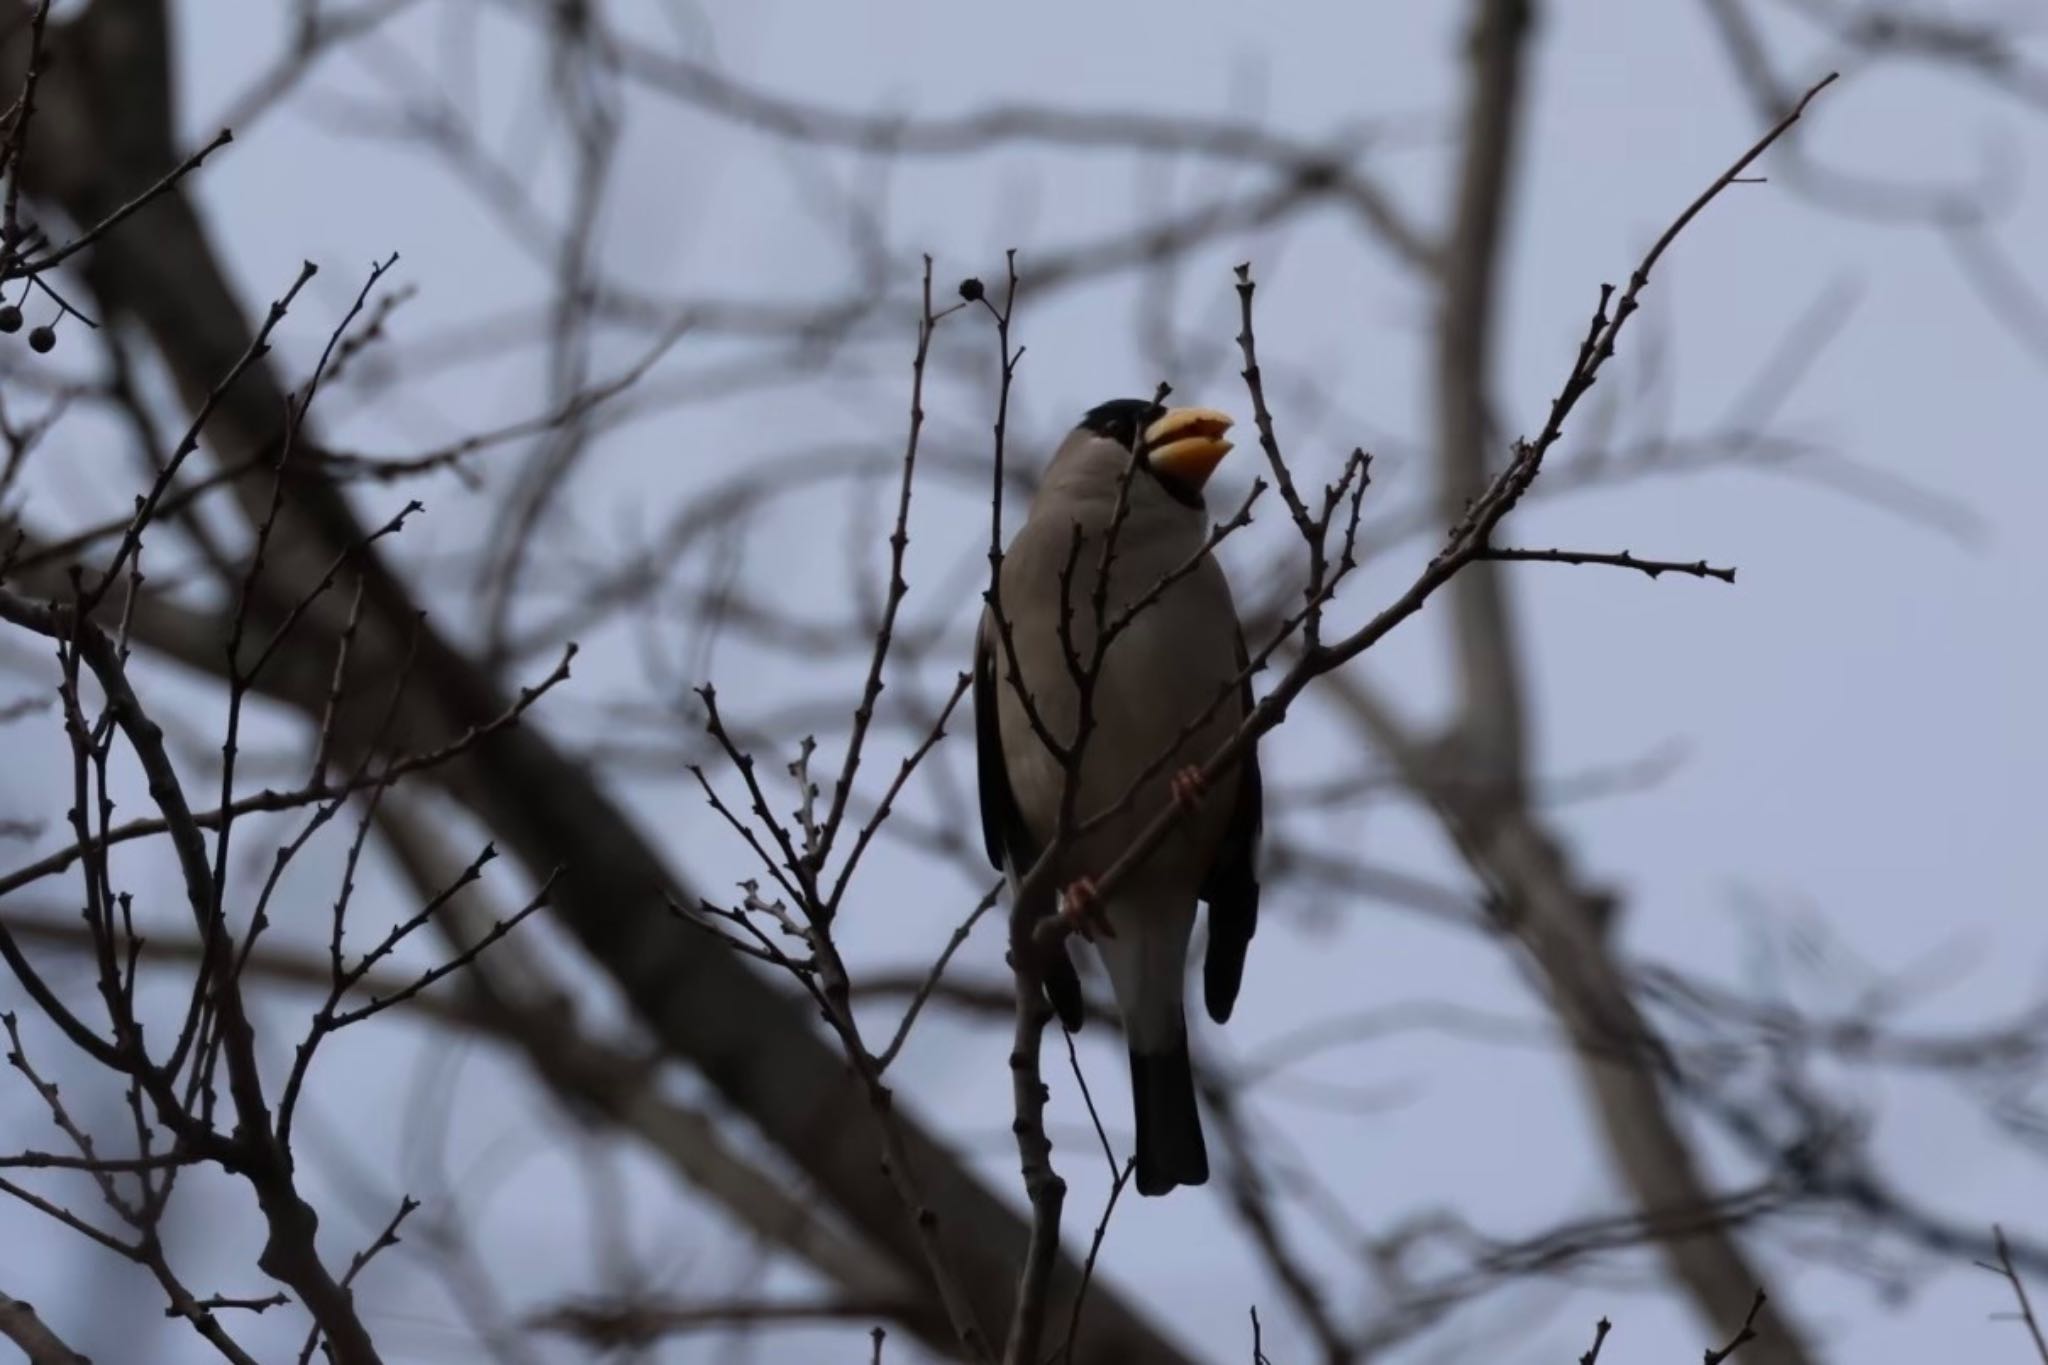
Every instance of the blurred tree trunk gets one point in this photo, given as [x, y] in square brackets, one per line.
[104, 131]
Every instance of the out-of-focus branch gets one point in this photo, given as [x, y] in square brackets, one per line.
[1542, 899]
[1988, 52]
[1251, 1202]
[20, 1325]
[1328, 168]
[1562, 920]
[1490, 719]
[622, 1324]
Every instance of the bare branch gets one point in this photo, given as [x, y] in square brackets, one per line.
[2005, 1270]
[1699, 568]
[20, 1325]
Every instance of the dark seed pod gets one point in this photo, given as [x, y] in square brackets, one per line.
[10, 318]
[41, 339]
[971, 290]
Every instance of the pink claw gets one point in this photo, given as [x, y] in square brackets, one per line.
[1081, 911]
[1189, 788]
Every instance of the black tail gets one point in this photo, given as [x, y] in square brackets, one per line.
[1170, 1150]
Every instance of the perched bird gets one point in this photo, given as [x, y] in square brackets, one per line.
[1171, 663]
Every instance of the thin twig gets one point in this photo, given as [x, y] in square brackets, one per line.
[2011, 1275]
[885, 630]
[387, 1238]
[930, 983]
[100, 229]
[1745, 1333]
[1698, 568]
[1116, 1189]
[311, 794]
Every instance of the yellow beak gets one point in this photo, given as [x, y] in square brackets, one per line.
[1187, 444]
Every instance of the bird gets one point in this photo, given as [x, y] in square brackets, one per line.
[1175, 669]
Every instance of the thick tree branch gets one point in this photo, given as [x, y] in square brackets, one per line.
[20, 1325]
[1490, 720]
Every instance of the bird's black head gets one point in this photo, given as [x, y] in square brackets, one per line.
[1122, 419]
[1180, 446]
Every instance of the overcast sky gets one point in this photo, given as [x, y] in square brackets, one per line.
[1852, 732]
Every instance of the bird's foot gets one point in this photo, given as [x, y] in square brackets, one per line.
[1082, 911]
[1189, 787]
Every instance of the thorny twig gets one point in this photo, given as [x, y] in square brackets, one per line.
[802, 856]
[1468, 541]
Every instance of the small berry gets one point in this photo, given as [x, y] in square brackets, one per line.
[41, 339]
[10, 318]
[971, 290]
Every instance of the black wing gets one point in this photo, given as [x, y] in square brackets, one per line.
[1011, 849]
[1232, 886]
[1003, 831]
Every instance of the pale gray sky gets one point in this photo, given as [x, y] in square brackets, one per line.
[1858, 719]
